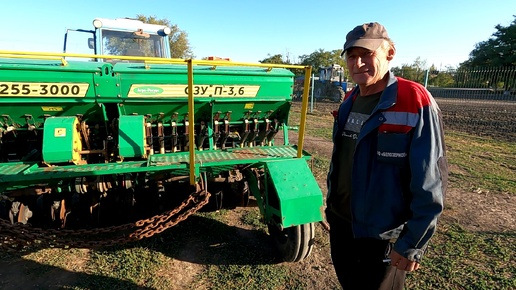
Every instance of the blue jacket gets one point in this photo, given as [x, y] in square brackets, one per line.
[400, 172]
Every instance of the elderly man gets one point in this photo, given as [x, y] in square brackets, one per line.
[388, 172]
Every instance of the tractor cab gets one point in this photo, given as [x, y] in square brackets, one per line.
[333, 73]
[122, 36]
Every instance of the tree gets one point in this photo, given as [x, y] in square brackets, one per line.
[499, 50]
[442, 79]
[414, 72]
[179, 44]
[277, 59]
[322, 58]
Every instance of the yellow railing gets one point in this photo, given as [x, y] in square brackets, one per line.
[190, 63]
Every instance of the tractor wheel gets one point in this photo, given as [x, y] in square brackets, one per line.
[295, 243]
[318, 94]
[338, 95]
[318, 91]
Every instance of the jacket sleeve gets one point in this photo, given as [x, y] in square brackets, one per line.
[429, 178]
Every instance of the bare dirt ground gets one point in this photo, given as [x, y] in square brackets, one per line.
[476, 211]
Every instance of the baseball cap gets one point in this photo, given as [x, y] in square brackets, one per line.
[368, 35]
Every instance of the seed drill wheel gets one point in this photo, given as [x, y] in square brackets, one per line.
[19, 213]
[294, 243]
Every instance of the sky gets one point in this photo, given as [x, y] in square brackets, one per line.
[440, 32]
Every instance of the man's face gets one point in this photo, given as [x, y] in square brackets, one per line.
[365, 66]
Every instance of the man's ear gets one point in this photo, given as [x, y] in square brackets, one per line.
[390, 53]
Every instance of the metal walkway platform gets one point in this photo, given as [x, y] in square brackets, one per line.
[12, 174]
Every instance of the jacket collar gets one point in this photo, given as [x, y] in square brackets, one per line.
[387, 99]
[389, 94]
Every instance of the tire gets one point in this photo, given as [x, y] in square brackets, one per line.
[338, 95]
[294, 244]
[318, 94]
[216, 200]
[319, 91]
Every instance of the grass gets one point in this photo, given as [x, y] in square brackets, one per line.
[460, 259]
[126, 266]
[481, 163]
[247, 277]
[243, 258]
[318, 124]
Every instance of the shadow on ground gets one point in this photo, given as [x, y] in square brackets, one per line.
[18, 273]
[199, 239]
[203, 240]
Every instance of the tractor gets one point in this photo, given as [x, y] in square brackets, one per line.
[331, 84]
[127, 139]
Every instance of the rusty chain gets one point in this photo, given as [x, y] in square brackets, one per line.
[16, 236]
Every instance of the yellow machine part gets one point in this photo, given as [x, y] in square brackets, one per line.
[62, 140]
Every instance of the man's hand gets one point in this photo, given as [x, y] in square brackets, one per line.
[403, 263]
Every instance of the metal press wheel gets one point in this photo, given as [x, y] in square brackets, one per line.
[295, 243]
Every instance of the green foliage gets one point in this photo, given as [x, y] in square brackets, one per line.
[499, 50]
[280, 59]
[414, 72]
[277, 58]
[179, 43]
[442, 79]
[322, 58]
[494, 78]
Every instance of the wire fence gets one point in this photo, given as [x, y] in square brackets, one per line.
[480, 101]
